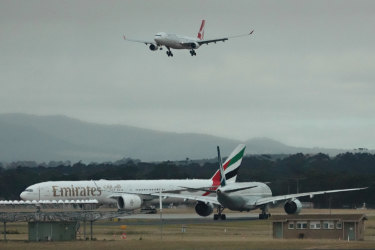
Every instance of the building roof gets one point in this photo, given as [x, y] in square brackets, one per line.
[342, 217]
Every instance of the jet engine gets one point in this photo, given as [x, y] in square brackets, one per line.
[129, 202]
[204, 209]
[153, 47]
[293, 206]
[194, 45]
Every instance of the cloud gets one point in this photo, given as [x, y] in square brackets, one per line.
[305, 74]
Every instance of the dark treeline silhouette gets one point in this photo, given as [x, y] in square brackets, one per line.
[285, 174]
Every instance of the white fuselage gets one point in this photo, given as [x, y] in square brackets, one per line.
[174, 41]
[102, 190]
[244, 200]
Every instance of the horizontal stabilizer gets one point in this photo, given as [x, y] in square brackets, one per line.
[211, 189]
[238, 189]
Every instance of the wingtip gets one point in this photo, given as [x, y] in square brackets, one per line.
[124, 37]
[251, 32]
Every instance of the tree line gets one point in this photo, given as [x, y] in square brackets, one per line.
[283, 173]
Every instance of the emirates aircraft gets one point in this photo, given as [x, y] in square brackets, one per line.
[246, 196]
[173, 41]
[131, 194]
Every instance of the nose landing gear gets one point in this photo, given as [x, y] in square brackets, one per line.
[192, 53]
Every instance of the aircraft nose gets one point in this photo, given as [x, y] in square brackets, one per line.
[23, 196]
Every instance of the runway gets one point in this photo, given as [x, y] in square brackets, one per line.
[185, 218]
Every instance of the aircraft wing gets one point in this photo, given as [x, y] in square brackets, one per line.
[205, 199]
[223, 39]
[119, 193]
[263, 201]
[139, 41]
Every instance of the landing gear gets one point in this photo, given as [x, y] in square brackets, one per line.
[192, 53]
[148, 210]
[265, 214]
[220, 215]
[169, 52]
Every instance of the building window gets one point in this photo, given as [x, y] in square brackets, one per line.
[338, 225]
[315, 225]
[301, 225]
[291, 225]
[328, 225]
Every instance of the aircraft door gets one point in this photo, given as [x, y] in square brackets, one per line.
[349, 231]
[278, 230]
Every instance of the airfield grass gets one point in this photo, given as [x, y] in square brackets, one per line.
[241, 234]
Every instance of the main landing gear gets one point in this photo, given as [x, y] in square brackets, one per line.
[219, 214]
[169, 52]
[192, 53]
[265, 214]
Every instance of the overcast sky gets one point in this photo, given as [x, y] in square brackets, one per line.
[306, 77]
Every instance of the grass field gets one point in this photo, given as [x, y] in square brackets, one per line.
[253, 234]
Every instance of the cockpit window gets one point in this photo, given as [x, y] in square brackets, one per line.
[29, 190]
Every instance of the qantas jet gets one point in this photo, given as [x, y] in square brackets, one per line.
[173, 41]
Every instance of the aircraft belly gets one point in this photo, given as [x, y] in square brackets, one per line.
[232, 202]
[172, 44]
[238, 202]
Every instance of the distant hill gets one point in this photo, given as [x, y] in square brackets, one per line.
[59, 138]
[269, 146]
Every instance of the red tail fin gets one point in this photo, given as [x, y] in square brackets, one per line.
[201, 30]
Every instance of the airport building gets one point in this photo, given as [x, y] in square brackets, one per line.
[319, 226]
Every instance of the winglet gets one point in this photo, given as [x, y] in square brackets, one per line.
[124, 37]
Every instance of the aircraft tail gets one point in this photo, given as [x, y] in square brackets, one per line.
[230, 167]
[201, 30]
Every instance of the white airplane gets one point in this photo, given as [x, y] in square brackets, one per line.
[130, 194]
[246, 196]
[173, 41]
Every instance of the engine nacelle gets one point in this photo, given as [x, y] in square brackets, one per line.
[293, 206]
[195, 45]
[204, 209]
[153, 47]
[129, 202]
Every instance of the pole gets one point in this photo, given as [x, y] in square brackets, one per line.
[90, 229]
[161, 214]
[37, 231]
[84, 228]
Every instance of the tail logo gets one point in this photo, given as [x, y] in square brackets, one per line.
[230, 168]
[201, 30]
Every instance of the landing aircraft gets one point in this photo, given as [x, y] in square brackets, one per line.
[130, 194]
[173, 41]
[245, 196]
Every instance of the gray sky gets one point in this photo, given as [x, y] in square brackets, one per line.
[306, 77]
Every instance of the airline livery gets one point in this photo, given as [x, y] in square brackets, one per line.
[173, 41]
[246, 196]
[131, 194]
